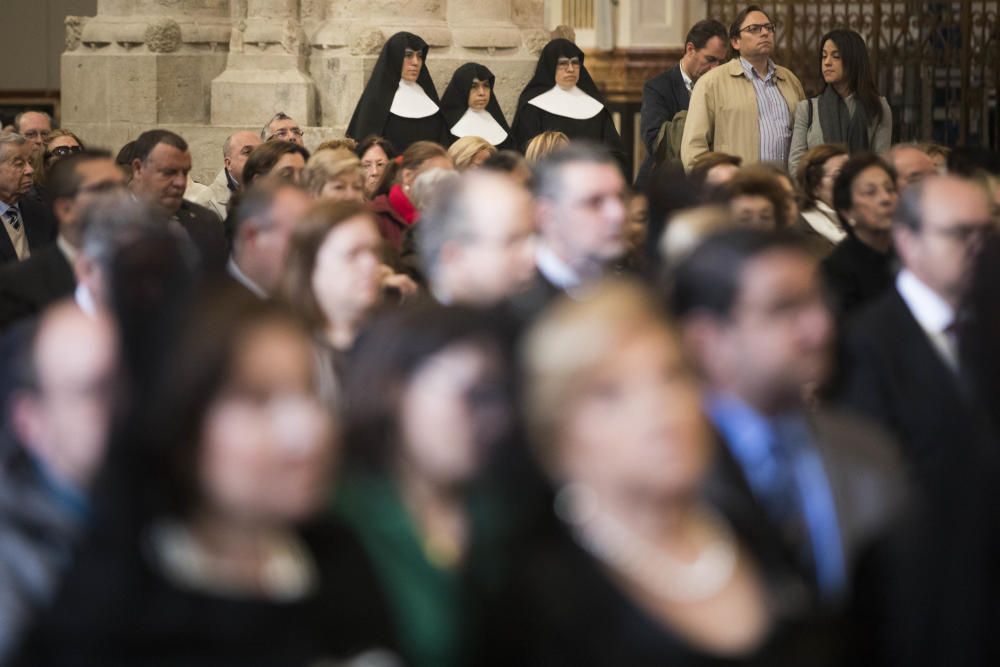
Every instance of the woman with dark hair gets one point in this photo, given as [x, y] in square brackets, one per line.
[375, 152]
[849, 111]
[400, 102]
[818, 170]
[562, 96]
[425, 405]
[471, 108]
[333, 279]
[275, 160]
[861, 266]
[391, 204]
[209, 546]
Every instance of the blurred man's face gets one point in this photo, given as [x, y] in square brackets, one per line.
[912, 166]
[96, 176]
[705, 59]
[162, 178]
[65, 421]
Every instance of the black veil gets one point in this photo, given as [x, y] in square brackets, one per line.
[455, 101]
[545, 72]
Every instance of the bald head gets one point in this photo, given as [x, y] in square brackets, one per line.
[63, 418]
[236, 150]
[912, 165]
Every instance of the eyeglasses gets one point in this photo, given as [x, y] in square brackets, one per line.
[284, 133]
[965, 233]
[36, 134]
[757, 28]
[567, 63]
[63, 151]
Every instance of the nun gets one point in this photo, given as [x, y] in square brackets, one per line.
[399, 102]
[562, 97]
[471, 109]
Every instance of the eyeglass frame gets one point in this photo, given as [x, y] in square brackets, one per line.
[757, 28]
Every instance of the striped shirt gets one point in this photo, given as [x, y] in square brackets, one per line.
[772, 109]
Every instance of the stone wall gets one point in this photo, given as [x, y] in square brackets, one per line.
[206, 68]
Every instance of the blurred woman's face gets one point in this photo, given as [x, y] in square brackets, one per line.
[288, 168]
[267, 443]
[634, 427]
[831, 170]
[873, 200]
[345, 187]
[347, 278]
[452, 411]
[374, 162]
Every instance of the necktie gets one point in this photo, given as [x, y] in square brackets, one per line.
[13, 217]
[15, 230]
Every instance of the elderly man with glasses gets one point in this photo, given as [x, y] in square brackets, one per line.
[282, 127]
[745, 107]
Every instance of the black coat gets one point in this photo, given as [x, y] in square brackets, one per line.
[207, 234]
[39, 225]
[27, 287]
[855, 273]
[662, 97]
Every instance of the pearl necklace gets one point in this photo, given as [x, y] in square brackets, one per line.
[614, 544]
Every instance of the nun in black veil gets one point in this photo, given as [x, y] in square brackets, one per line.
[562, 97]
[400, 102]
[471, 109]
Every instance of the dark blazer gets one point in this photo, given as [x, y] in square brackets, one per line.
[891, 372]
[207, 233]
[27, 287]
[39, 225]
[867, 480]
[662, 97]
[855, 273]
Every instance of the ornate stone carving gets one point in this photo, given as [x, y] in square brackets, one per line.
[368, 42]
[74, 31]
[163, 35]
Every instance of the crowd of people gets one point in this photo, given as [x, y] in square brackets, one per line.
[452, 391]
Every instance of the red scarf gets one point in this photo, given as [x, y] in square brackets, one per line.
[402, 204]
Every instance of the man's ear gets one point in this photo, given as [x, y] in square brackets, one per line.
[689, 49]
[136, 167]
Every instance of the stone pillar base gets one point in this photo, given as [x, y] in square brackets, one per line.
[251, 96]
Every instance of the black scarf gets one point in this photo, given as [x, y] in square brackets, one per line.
[372, 111]
[455, 101]
[839, 126]
[545, 73]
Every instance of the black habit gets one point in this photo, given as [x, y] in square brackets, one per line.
[530, 120]
[455, 103]
[373, 116]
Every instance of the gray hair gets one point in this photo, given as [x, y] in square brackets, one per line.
[111, 220]
[281, 115]
[909, 207]
[426, 187]
[548, 172]
[445, 219]
[10, 139]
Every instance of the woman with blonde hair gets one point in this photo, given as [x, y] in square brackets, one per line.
[653, 572]
[470, 152]
[334, 174]
[543, 144]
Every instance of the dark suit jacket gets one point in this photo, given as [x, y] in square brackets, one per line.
[891, 372]
[27, 287]
[207, 233]
[39, 225]
[662, 97]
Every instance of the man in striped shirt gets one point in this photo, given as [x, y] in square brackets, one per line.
[745, 107]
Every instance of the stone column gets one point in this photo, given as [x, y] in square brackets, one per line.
[142, 63]
[265, 71]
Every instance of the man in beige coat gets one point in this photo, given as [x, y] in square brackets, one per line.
[235, 152]
[745, 107]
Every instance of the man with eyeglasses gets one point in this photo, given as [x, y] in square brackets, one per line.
[27, 287]
[745, 107]
[35, 126]
[235, 151]
[669, 93]
[282, 127]
[902, 364]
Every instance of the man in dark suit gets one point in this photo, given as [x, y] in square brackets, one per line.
[667, 93]
[582, 223]
[818, 489]
[160, 166]
[263, 219]
[48, 275]
[26, 227]
[901, 363]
